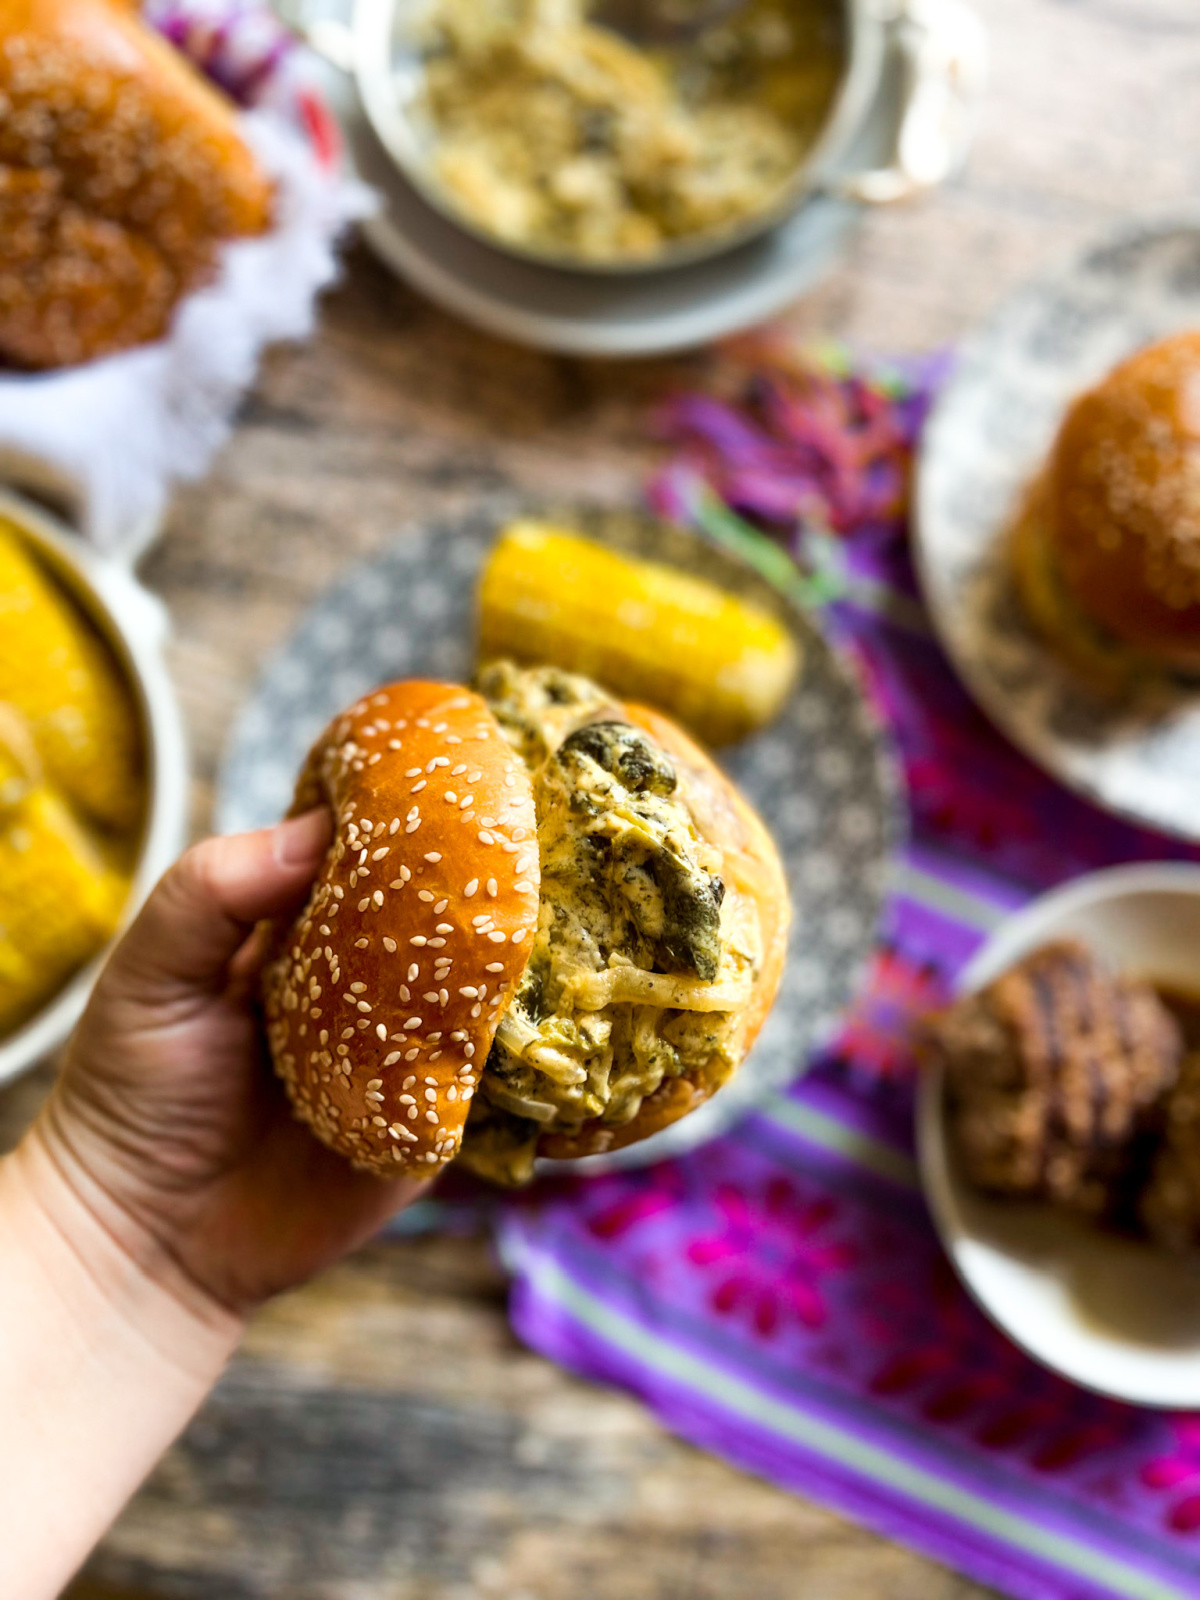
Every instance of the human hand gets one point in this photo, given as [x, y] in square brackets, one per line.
[167, 1121]
[164, 1191]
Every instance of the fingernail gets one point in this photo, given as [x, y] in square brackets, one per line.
[300, 840]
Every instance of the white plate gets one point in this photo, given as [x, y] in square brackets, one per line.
[1110, 1313]
[988, 435]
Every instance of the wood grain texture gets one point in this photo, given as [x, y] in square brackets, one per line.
[327, 1466]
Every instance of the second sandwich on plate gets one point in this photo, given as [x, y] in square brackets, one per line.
[547, 925]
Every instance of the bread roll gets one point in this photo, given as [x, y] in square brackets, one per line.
[1107, 546]
[547, 925]
[121, 171]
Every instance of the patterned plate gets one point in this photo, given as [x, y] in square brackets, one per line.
[822, 775]
[988, 435]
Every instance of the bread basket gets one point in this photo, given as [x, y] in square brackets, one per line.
[134, 625]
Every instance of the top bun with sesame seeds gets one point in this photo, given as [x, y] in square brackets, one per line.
[547, 925]
[1107, 545]
[121, 170]
[383, 999]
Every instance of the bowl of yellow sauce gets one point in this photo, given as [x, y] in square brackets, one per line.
[93, 771]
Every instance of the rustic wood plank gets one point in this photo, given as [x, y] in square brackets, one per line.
[382, 1437]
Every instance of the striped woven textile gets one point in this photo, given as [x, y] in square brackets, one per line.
[779, 1297]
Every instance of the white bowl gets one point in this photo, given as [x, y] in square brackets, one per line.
[134, 624]
[1110, 1313]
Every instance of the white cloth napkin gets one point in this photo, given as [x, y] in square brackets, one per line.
[114, 435]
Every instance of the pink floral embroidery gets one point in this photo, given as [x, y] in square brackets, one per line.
[1179, 1469]
[772, 1252]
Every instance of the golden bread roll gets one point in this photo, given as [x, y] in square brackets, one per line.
[121, 170]
[547, 925]
[1107, 546]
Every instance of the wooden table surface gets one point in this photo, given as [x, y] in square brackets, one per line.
[322, 1469]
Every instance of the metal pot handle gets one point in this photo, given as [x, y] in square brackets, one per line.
[329, 36]
[942, 54]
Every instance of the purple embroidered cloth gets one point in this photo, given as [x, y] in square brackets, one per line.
[779, 1297]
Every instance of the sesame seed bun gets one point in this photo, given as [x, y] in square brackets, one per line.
[383, 999]
[1107, 547]
[752, 867]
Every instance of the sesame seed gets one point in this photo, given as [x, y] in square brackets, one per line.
[364, 902]
[474, 777]
[338, 891]
[405, 996]
[450, 797]
[445, 927]
[519, 936]
[394, 826]
[469, 993]
[411, 1055]
[458, 770]
[468, 1050]
[361, 944]
[358, 988]
[377, 897]
[431, 997]
[471, 887]
[406, 874]
[494, 966]
[407, 1100]
[493, 887]
[378, 855]
[488, 822]
[413, 1024]
[413, 772]
[347, 1033]
[431, 1096]
[424, 894]
[523, 886]
[431, 1116]
[496, 936]
[440, 907]
[411, 827]
[436, 944]
[380, 1030]
[391, 1058]
[390, 946]
[364, 1006]
[485, 837]
[413, 972]
[418, 939]
[418, 786]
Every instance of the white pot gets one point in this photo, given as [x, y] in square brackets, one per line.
[134, 624]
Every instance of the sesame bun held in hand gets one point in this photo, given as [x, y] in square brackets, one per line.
[1107, 546]
[546, 925]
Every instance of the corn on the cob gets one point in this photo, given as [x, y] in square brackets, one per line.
[61, 678]
[643, 630]
[60, 899]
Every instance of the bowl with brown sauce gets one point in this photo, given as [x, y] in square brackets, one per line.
[1106, 1295]
[93, 771]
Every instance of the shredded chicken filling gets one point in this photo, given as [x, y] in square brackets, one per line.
[640, 958]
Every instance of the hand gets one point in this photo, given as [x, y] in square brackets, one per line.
[168, 1122]
[164, 1191]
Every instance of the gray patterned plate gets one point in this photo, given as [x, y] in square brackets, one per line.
[988, 435]
[822, 775]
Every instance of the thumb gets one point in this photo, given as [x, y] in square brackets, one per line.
[202, 910]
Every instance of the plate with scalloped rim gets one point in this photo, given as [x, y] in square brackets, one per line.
[987, 436]
[822, 775]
